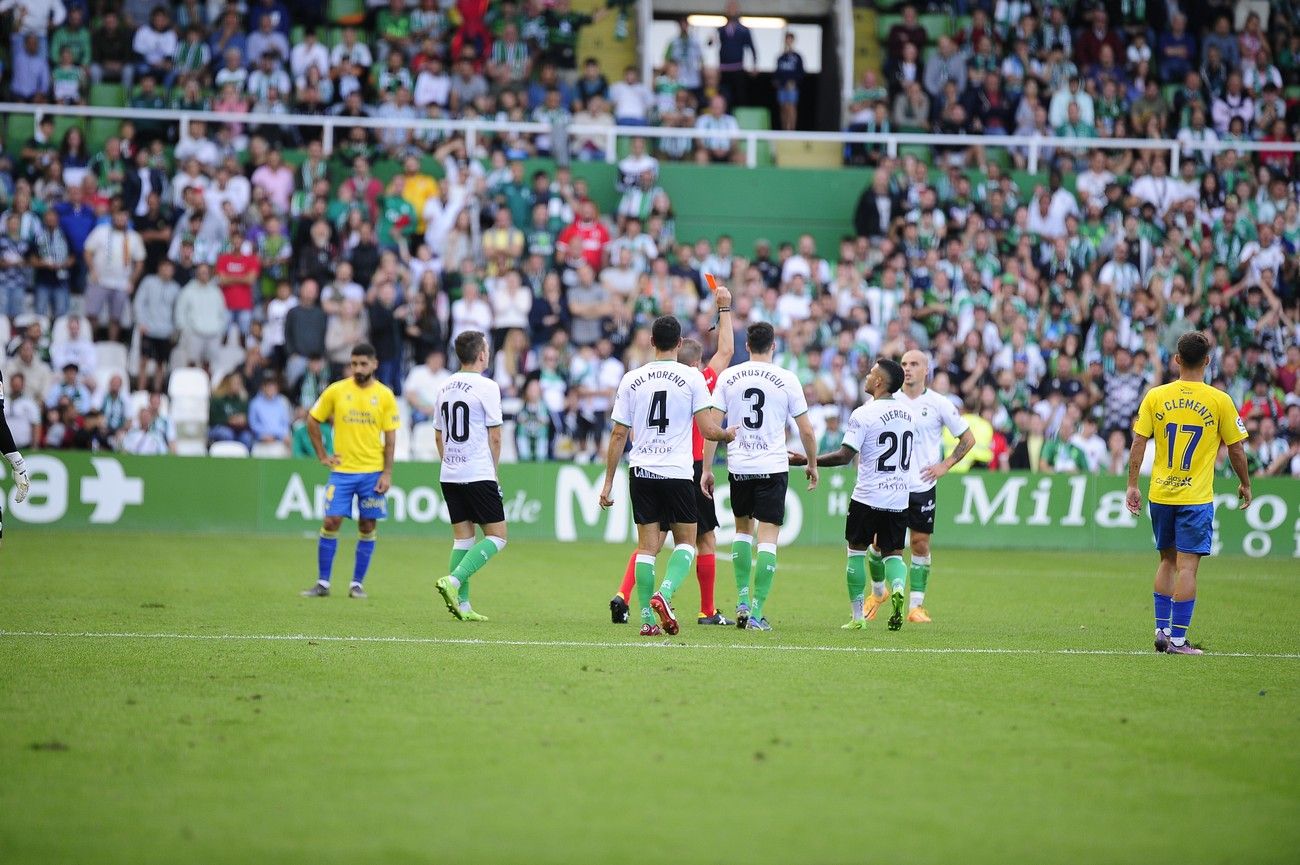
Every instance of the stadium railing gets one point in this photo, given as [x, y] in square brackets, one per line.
[1033, 146]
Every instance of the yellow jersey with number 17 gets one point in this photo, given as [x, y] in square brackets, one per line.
[361, 416]
[1186, 421]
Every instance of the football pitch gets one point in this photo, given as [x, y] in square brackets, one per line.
[170, 698]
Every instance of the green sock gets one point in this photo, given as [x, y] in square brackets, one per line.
[764, 574]
[856, 576]
[920, 573]
[476, 557]
[456, 555]
[875, 566]
[645, 586]
[742, 562]
[679, 565]
[896, 573]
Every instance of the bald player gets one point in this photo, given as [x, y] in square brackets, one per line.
[932, 412]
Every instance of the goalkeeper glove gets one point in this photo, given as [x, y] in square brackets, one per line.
[21, 481]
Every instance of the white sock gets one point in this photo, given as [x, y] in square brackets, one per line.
[878, 589]
[857, 605]
[464, 606]
[455, 583]
[1178, 641]
[918, 598]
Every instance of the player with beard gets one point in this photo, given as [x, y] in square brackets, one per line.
[364, 415]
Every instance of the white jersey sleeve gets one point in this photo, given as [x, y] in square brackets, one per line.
[658, 402]
[467, 406]
[759, 400]
[887, 437]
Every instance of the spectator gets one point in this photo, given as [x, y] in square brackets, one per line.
[632, 100]
[15, 272]
[114, 256]
[270, 417]
[144, 438]
[155, 44]
[111, 52]
[30, 80]
[787, 79]
[237, 271]
[155, 315]
[422, 385]
[69, 387]
[52, 265]
[21, 412]
[201, 319]
[74, 348]
[717, 148]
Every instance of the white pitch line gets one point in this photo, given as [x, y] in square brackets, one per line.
[750, 647]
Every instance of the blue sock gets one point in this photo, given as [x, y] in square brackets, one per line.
[1164, 611]
[1182, 620]
[325, 549]
[365, 549]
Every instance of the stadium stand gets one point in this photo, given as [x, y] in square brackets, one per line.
[1047, 286]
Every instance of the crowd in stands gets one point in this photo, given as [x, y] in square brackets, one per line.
[254, 254]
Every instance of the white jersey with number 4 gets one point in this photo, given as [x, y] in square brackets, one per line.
[658, 402]
[932, 412]
[759, 399]
[883, 434]
[468, 404]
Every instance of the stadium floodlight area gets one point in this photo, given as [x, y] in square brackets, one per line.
[1033, 146]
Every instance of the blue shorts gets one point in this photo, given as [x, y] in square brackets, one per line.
[344, 486]
[1187, 528]
[787, 96]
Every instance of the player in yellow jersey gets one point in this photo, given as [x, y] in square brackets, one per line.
[1187, 419]
[365, 418]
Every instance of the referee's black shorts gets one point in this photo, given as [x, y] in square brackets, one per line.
[865, 524]
[706, 519]
[661, 501]
[760, 496]
[477, 502]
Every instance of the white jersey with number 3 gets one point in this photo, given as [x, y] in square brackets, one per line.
[932, 412]
[759, 399]
[883, 434]
[468, 404]
[658, 402]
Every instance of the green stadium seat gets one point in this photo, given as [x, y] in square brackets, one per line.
[345, 11]
[100, 130]
[19, 129]
[935, 26]
[999, 157]
[754, 118]
[63, 123]
[433, 167]
[386, 169]
[108, 95]
[294, 156]
[920, 151]
[885, 23]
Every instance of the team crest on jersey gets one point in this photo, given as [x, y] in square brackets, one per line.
[374, 400]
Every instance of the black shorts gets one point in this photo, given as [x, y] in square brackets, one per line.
[865, 525]
[920, 511]
[760, 496]
[156, 349]
[661, 501]
[477, 502]
[706, 514]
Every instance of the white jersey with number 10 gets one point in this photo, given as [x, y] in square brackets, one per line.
[658, 402]
[467, 405]
[759, 399]
[883, 434]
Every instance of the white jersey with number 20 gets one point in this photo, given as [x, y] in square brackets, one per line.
[467, 405]
[759, 399]
[932, 412]
[658, 402]
[883, 434]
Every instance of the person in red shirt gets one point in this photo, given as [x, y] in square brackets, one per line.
[691, 354]
[584, 240]
[238, 270]
[365, 186]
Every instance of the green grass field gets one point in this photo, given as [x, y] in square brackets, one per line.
[172, 699]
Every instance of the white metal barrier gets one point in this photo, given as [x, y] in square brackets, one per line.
[472, 129]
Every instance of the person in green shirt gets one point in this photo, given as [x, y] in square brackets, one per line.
[397, 218]
[228, 412]
[562, 28]
[534, 438]
[301, 442]
[73, 34]
[109, 167]
[515, 195]
[147, 95]
[393, 26]
[832, 437]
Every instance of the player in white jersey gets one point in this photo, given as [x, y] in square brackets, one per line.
[933, 413]
[882, 435]
[467, 417]
[657, 403]
[761, 398]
